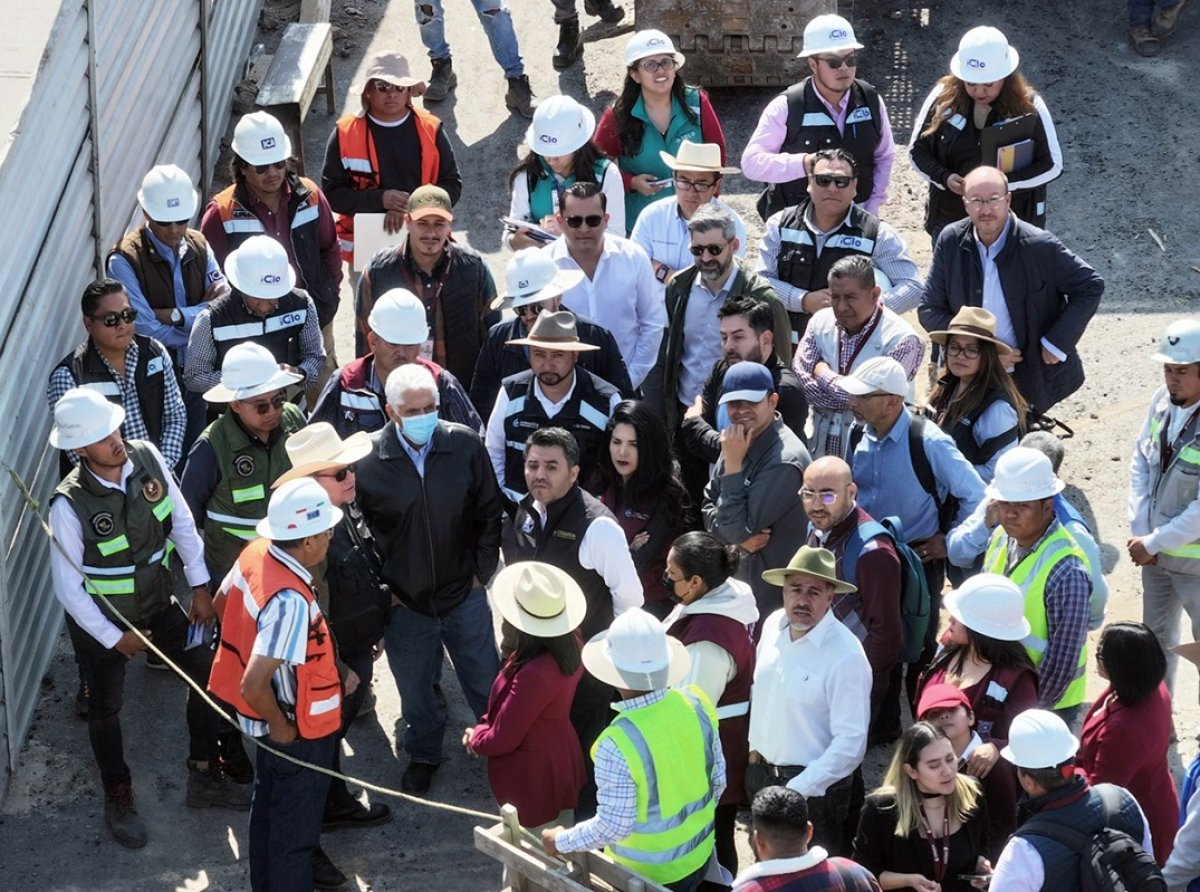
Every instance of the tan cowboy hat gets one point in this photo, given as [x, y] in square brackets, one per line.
[1189, 651]
[818, 562]
[318, 448]
[637, 654]
[391, 68]
[554, 331]
[539, 599]
[974, 322]
[700, 157]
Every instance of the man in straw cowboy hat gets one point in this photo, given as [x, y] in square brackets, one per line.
[659, 765]
[533, 285]
[276, 668]
[230, 469]
[112, 516]
[349, 589]
[554, 391]
[812, 693]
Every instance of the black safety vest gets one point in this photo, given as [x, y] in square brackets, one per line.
[87, 367]
[279, 331]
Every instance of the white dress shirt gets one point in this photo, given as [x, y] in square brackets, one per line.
[810, 703]
[623, 297]
[662, 233]
[68, 582]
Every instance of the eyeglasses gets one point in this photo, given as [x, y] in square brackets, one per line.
[341, 474]
[112, 320]
[385, 87]
[650, 66]
[711, 250]
[976, 204]
[971, 352]
[274, 165]
[276, 402]
[682, 185]
[836, 62]
[529, 311]
[592, 220]
[824, 496]
[825, 180]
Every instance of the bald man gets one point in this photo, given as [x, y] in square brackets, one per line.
[1041, 294]
[867, 558]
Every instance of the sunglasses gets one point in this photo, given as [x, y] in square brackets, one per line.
[592, 220]
[385, 87]
[836, 62]
[711, 250]
[276, 403]
[112, 320]
[274, 165]
[529, 311]
[341, 474]
[825, 180]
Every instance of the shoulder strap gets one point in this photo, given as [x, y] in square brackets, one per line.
[864, 533]
[1060, 833]
[795, 109]
[920, 459]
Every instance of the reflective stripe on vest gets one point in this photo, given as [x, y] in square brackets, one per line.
[306, 214]
[1169, 483]
[120, 580]
[1031, 574]
[112, 546]
[248, 494]
[241, 527]
[241, 332]
[242, 224]
[362, 402]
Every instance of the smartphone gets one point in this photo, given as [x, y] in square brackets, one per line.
[667, 182]
[972, 877]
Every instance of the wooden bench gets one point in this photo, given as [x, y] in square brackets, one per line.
[302, 68]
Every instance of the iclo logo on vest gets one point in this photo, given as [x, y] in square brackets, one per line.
[270, 279]
[838, 34]
[291, 319]
[976, 63]
[172, 202]
[267, 142]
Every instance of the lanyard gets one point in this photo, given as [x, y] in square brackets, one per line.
[845, 367]
[941, 859]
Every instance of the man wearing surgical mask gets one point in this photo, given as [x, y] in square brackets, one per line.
[430, 497]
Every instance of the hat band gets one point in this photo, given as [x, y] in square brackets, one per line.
[976, 330]
[555, 339]
[559, 612]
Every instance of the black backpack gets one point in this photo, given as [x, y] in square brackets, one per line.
[1109, 860]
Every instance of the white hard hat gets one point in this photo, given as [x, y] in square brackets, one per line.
[880, 374]
[532, 276]
[1023, 475]
[650, 42]
[1037, 738]
[984, 56]
[1180, 344]
[560, 126]
[298, 509]
[249, 370]
[82, 416]
[167, 194]
[260, 268]
[259, 138]
[399, 317]
[636, 653]
[992, 605]
[828, 34]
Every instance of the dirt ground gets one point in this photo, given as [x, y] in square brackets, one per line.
[1120, 182]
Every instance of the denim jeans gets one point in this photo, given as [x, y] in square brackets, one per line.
[414, 643]
[103, 670]
[564, 10]
[285, 814]
[497, 25]
[1141, 11]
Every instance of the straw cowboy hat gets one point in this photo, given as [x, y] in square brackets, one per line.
[636, 654]
[698, 157]
[818, 562]
[554, 331]
[974, 322]
[539, 599]
[318, 448]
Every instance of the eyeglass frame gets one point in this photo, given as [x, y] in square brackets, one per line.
[341, 473]
[981, 203]
[577, 220]
[850, 60]
[276, 402]
[115, 317]
[653, 66]
[692, 186]
[384, 87]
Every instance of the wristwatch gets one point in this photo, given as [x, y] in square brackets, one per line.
[177, 316]
[662, 272]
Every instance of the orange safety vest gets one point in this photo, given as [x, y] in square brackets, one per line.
[261, 575]
[357, 148]
[240, 222]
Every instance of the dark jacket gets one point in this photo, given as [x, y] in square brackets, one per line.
[1050, 294]
[435, 533]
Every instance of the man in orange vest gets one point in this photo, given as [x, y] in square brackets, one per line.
[376, 157]
[276, 668]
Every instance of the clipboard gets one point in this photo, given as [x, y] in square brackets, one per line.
[1003, 134]
[369, 238]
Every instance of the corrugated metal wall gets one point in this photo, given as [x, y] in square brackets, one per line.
[143, 90]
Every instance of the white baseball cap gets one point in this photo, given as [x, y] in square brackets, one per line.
[636, 653]
[1037, 738]
[992, 605]
[828, 34]
[531, 277]
[650, 42]
[259, 268]
[259, 138]
[984, 56]
[82, 416]
[560, 126]
[879, 374]
[298, 509]
[399, 318]
[1180, 344]
[167, 194]
[247, 371]
[1023, 475]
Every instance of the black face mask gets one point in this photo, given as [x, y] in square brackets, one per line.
[669, 585]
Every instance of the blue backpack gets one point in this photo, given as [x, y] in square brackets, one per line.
[914, 587]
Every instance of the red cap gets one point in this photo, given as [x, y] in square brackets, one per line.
[940, 696]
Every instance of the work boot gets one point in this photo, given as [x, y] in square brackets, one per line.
[121, 818]
[83, 701]
[607, 11]
[207, 786]
[1144, 43]
[234, 762]
[1165, 20]
[367, 707]
[417, 778]
[326, 876]
[442, 81]
[570, 44]
[154, 661]
[519, 97]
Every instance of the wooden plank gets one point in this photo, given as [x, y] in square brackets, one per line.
[299, 64]
[616, 875]
[512, 831]
[523, 862]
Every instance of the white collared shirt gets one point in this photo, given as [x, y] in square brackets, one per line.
[662, 233]
[810, 703]
[701, 336]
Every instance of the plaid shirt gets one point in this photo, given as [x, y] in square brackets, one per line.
[174, 419]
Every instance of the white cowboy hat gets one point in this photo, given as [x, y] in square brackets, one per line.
[539, 599]
[318, 448]
[697, 157]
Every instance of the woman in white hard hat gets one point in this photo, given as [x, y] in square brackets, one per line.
[982, 90]
[655, 112]
[561, 153]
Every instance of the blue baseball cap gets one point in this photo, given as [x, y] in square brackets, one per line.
[748, 381]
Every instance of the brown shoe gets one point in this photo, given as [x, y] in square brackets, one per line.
[1144, 43]
[121, 817]
[1165, 20]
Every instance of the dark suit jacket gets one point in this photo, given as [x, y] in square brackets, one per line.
[1050, 293]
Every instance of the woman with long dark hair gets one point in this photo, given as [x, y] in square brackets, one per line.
[535, 761]
[975, 400]
[925, 827]
[982, 89]
[654, 114]
[561, 153]
[641, 487]
[1127, 732]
